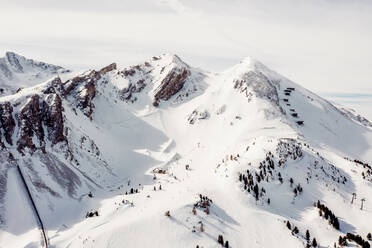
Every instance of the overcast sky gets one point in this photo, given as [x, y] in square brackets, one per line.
[325, 45]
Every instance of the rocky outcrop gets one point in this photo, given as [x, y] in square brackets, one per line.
[126, 93]
[86, 99]
[7, 123]
[108, 68]
[197, 115]
[138, 78]
[259, 84]
[54, 86]
[14, 61]
[53, 118]
[83, 89]
[31, 117]
[171, 84]
[30, 125]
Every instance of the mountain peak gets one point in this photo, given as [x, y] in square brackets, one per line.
[14, 60]
[248, 64]
[168, 58]
[11, 54]
[19, 61]
[18, 71]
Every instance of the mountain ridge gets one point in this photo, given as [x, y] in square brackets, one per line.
[17, 71]
[113, 132]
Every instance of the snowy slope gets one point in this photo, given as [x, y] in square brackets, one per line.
[99, 136]
[17, 72]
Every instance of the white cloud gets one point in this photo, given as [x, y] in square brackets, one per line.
[177, 6]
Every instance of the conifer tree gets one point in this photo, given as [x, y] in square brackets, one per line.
[336, 224]
[255, 189]
[220, 239]
[314, 243]
[194, 211]
[227, 244]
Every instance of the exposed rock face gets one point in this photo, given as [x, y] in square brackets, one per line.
[54, 86]
[83, 89]
[138, 78]
[31, 117]
[108, 68]
[7, 122]
[86, 102]
[259, 84]
[14, 61]
[126, 93]
[197, 115]
[171, 84]
[53, 118]
[30, 124]
[48, 110]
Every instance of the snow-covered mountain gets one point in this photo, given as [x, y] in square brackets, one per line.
[18, 72]
[162, 154]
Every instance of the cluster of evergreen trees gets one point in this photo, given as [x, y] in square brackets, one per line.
[287, 150]
[132, 191]
[91, 214]
[220, 241]
[251, 180]
[365, 165]
[297, 190]
[295, 231]
[368, 172]
[203, 203]
[352, 237]
[328, 215]
[362, 163]
[158, 188]
[250, 185]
